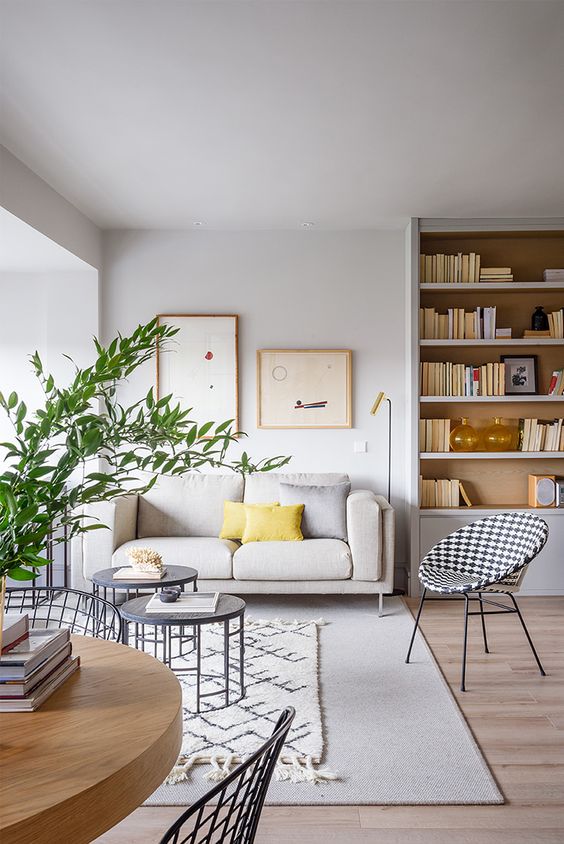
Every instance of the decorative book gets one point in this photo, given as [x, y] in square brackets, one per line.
[130, 573]
[188, 602]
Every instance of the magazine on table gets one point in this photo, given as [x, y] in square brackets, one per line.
[188, 602]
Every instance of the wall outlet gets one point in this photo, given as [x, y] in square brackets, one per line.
[360, 446]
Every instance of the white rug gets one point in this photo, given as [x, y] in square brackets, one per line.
[280, 663]
[392, 731]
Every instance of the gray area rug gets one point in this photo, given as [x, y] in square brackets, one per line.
[392, 731]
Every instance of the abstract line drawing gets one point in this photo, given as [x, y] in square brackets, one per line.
[304, 388]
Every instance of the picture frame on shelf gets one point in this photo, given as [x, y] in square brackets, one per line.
[521, 375]
[304, 388]
[200, 369]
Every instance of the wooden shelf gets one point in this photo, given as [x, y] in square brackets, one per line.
[481, 510]
[490, 455]
[518, 341]
[496, 399]
[498, 287]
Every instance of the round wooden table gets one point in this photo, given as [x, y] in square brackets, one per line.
[95, 750]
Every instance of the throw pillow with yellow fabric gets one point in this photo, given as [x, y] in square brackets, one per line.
[234, 518]
[273, 524]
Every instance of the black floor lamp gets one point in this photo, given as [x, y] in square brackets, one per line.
[380, 398]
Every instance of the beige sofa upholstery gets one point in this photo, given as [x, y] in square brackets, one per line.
[181, 518]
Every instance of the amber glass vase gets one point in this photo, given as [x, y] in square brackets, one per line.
[498, 437]
[464, 437]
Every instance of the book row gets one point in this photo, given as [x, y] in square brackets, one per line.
[458, 324]
[449, 269]
[444, 492]
[458, 379]
[529, 435]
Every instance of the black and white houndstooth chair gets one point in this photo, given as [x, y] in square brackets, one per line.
[490, 555]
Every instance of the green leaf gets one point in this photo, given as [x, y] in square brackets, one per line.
[19, 573]
[12, 400]
[204, 429]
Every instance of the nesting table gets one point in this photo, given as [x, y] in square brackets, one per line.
[173, 636]
[175, 576]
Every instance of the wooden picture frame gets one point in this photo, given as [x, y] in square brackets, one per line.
[202, 358]
[323, 376]
[528, 373]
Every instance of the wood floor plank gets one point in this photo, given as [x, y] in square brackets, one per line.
[517, 718]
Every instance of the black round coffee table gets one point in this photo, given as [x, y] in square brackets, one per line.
[162, 632]
[175, 576]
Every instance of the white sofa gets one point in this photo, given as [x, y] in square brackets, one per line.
[181, 518]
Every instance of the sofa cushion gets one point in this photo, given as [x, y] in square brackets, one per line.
[191, 505]
[325, 510]
[270, 524]
[235, 518]
[312, 559]
[261, 487]
[211, 557]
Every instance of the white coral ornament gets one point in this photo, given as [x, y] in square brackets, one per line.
[145, 559]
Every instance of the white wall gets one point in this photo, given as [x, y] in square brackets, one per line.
[52, 312]
[305, 289]
[28, 197]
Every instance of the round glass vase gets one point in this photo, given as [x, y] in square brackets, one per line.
[498, 437]
[464, 437]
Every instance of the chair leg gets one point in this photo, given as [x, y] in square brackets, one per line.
[530, 641]
[483, 624]
[416, 624]
[465, 645]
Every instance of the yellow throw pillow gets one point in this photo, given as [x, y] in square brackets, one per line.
[234, 518]
[273, 524]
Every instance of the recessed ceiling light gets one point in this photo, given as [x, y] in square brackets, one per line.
[307, 224]
[198, 223]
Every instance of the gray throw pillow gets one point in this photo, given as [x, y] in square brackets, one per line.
[325, 514]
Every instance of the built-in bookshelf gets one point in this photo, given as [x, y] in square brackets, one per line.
[493, 481]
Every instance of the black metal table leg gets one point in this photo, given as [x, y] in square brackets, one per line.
[242, 655]
[226, 660]
[483, 624]
[530, 641]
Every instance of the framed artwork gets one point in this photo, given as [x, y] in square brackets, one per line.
[304, 388]
[200, 366]
[520, 375]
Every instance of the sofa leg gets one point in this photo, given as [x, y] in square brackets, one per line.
[380, 605]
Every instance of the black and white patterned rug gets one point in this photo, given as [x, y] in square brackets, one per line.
[281, 669]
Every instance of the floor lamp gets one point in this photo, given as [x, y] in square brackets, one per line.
[380, 398]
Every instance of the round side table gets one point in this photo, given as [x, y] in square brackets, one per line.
[103, 581]
[166, 628]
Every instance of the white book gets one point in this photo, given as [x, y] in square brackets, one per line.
[188, 602]
[130, 573]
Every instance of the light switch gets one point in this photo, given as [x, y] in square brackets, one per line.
[360, 446]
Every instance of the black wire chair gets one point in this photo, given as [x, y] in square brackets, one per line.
[490, 555]
[234, 818]
[81, 613]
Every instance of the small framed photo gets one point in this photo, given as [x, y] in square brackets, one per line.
[520, 375]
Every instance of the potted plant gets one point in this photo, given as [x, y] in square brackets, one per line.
[82, 446]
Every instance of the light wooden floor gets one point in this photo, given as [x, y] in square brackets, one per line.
[516, 716]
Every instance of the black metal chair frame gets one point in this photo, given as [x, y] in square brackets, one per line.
[241, 795]
[87, 616]
[502, 609]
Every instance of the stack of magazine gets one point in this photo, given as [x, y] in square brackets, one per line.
[188, 602]
[33, 664]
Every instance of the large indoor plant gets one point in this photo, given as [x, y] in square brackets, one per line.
[82, 446]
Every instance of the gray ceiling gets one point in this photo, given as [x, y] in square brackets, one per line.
[159, 113]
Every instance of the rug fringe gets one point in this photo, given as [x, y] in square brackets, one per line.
[298, 771]
[251, 623]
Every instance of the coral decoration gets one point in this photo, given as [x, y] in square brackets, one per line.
[145, 559]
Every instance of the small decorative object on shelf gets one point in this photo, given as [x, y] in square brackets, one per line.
[464, 437]
[498, 437]
[170, 594]
[542, 491]
[520, 375]
[539, 319]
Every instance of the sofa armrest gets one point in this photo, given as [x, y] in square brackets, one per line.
[92, 551]
[370, 529]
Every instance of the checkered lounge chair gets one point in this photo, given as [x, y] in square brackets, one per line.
[490, 555]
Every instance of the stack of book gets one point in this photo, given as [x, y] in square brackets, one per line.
[442, 493]
[33, 664]
[541, 435]
[434, 435]
[496, 274]
[553, 275]
[458, 379]
[556, 386]
[204, 603]
[458, 324]
[132, 574]
[449, 269]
